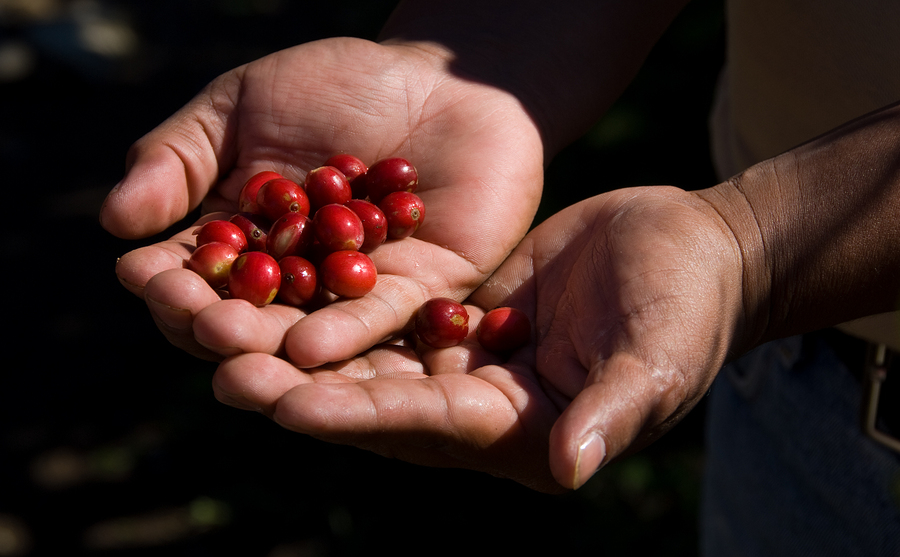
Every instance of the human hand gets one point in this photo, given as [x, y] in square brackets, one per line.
[635, 297]
[479, 156]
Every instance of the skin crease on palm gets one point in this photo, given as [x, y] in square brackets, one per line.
[479, 155]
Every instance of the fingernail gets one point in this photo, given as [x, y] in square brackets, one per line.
[591, 453]
[177, 319]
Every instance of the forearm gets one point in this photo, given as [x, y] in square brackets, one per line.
[819, 229]
[565, 61]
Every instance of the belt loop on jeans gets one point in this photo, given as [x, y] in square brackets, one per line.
[874, 376]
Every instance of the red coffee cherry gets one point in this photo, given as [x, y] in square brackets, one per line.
[503, 329]
[349, 165]
[255, 277]
[247, 197]
[213, 262]
[404, 213]
[279, 196]
[325, 185]
[390, 175]
[221, 231]
[291, 234]
[348, 273]
[299, 283]
[442, 322]
[338, 228]
[354, 170]
[255, 228]
[374, 223]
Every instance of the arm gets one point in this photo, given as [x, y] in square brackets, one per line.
[818, 228]
[567, 62]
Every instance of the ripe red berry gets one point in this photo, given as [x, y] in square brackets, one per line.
[348, 273]
[404, 212]
[390, 175]
[279, 196]
[255, 228]
[374, 223]
[353, 169]
[221, 231]
[326, 184]
[255, 277]
[298, 281]
[338, 228]
[291, 234]
[350, 166]
[247, 197]
[442, 322]
[213, 261]
[503, 329]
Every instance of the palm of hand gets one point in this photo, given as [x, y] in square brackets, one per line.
[633, 295]
[478, 153]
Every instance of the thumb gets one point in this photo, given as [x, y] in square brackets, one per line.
[624, 406]
[169, 172]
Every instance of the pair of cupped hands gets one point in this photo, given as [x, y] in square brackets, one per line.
[632, 294]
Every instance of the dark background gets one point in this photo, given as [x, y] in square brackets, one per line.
[111, 442]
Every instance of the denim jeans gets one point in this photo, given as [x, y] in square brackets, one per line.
[788, 471]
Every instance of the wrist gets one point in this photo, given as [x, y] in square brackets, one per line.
[740, 224]
[818, 229]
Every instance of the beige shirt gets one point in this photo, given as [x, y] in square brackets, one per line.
[796, 69]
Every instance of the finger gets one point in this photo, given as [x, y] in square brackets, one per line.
[256, 381]
[441, 421]
[174, 297]
[230, 327]
[489, 421]
[137, 267]
[171, 169]
[626, 406]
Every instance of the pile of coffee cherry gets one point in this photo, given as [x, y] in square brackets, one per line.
[292, 242]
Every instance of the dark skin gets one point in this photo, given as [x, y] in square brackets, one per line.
[637, 296]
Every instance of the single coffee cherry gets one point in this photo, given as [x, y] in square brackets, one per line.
[390, 175]
[291, 234]
[503, 329]
[213, 262]
[349, 165]
[338, 228]
[255, 277]
[348, 273]
[279, 196]
[373, 221]
[442, 322]
[255, 228]
[299, 283]
[325, 185]
[404, 212]
[247, 197]
[222, 231]
[354, 170]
